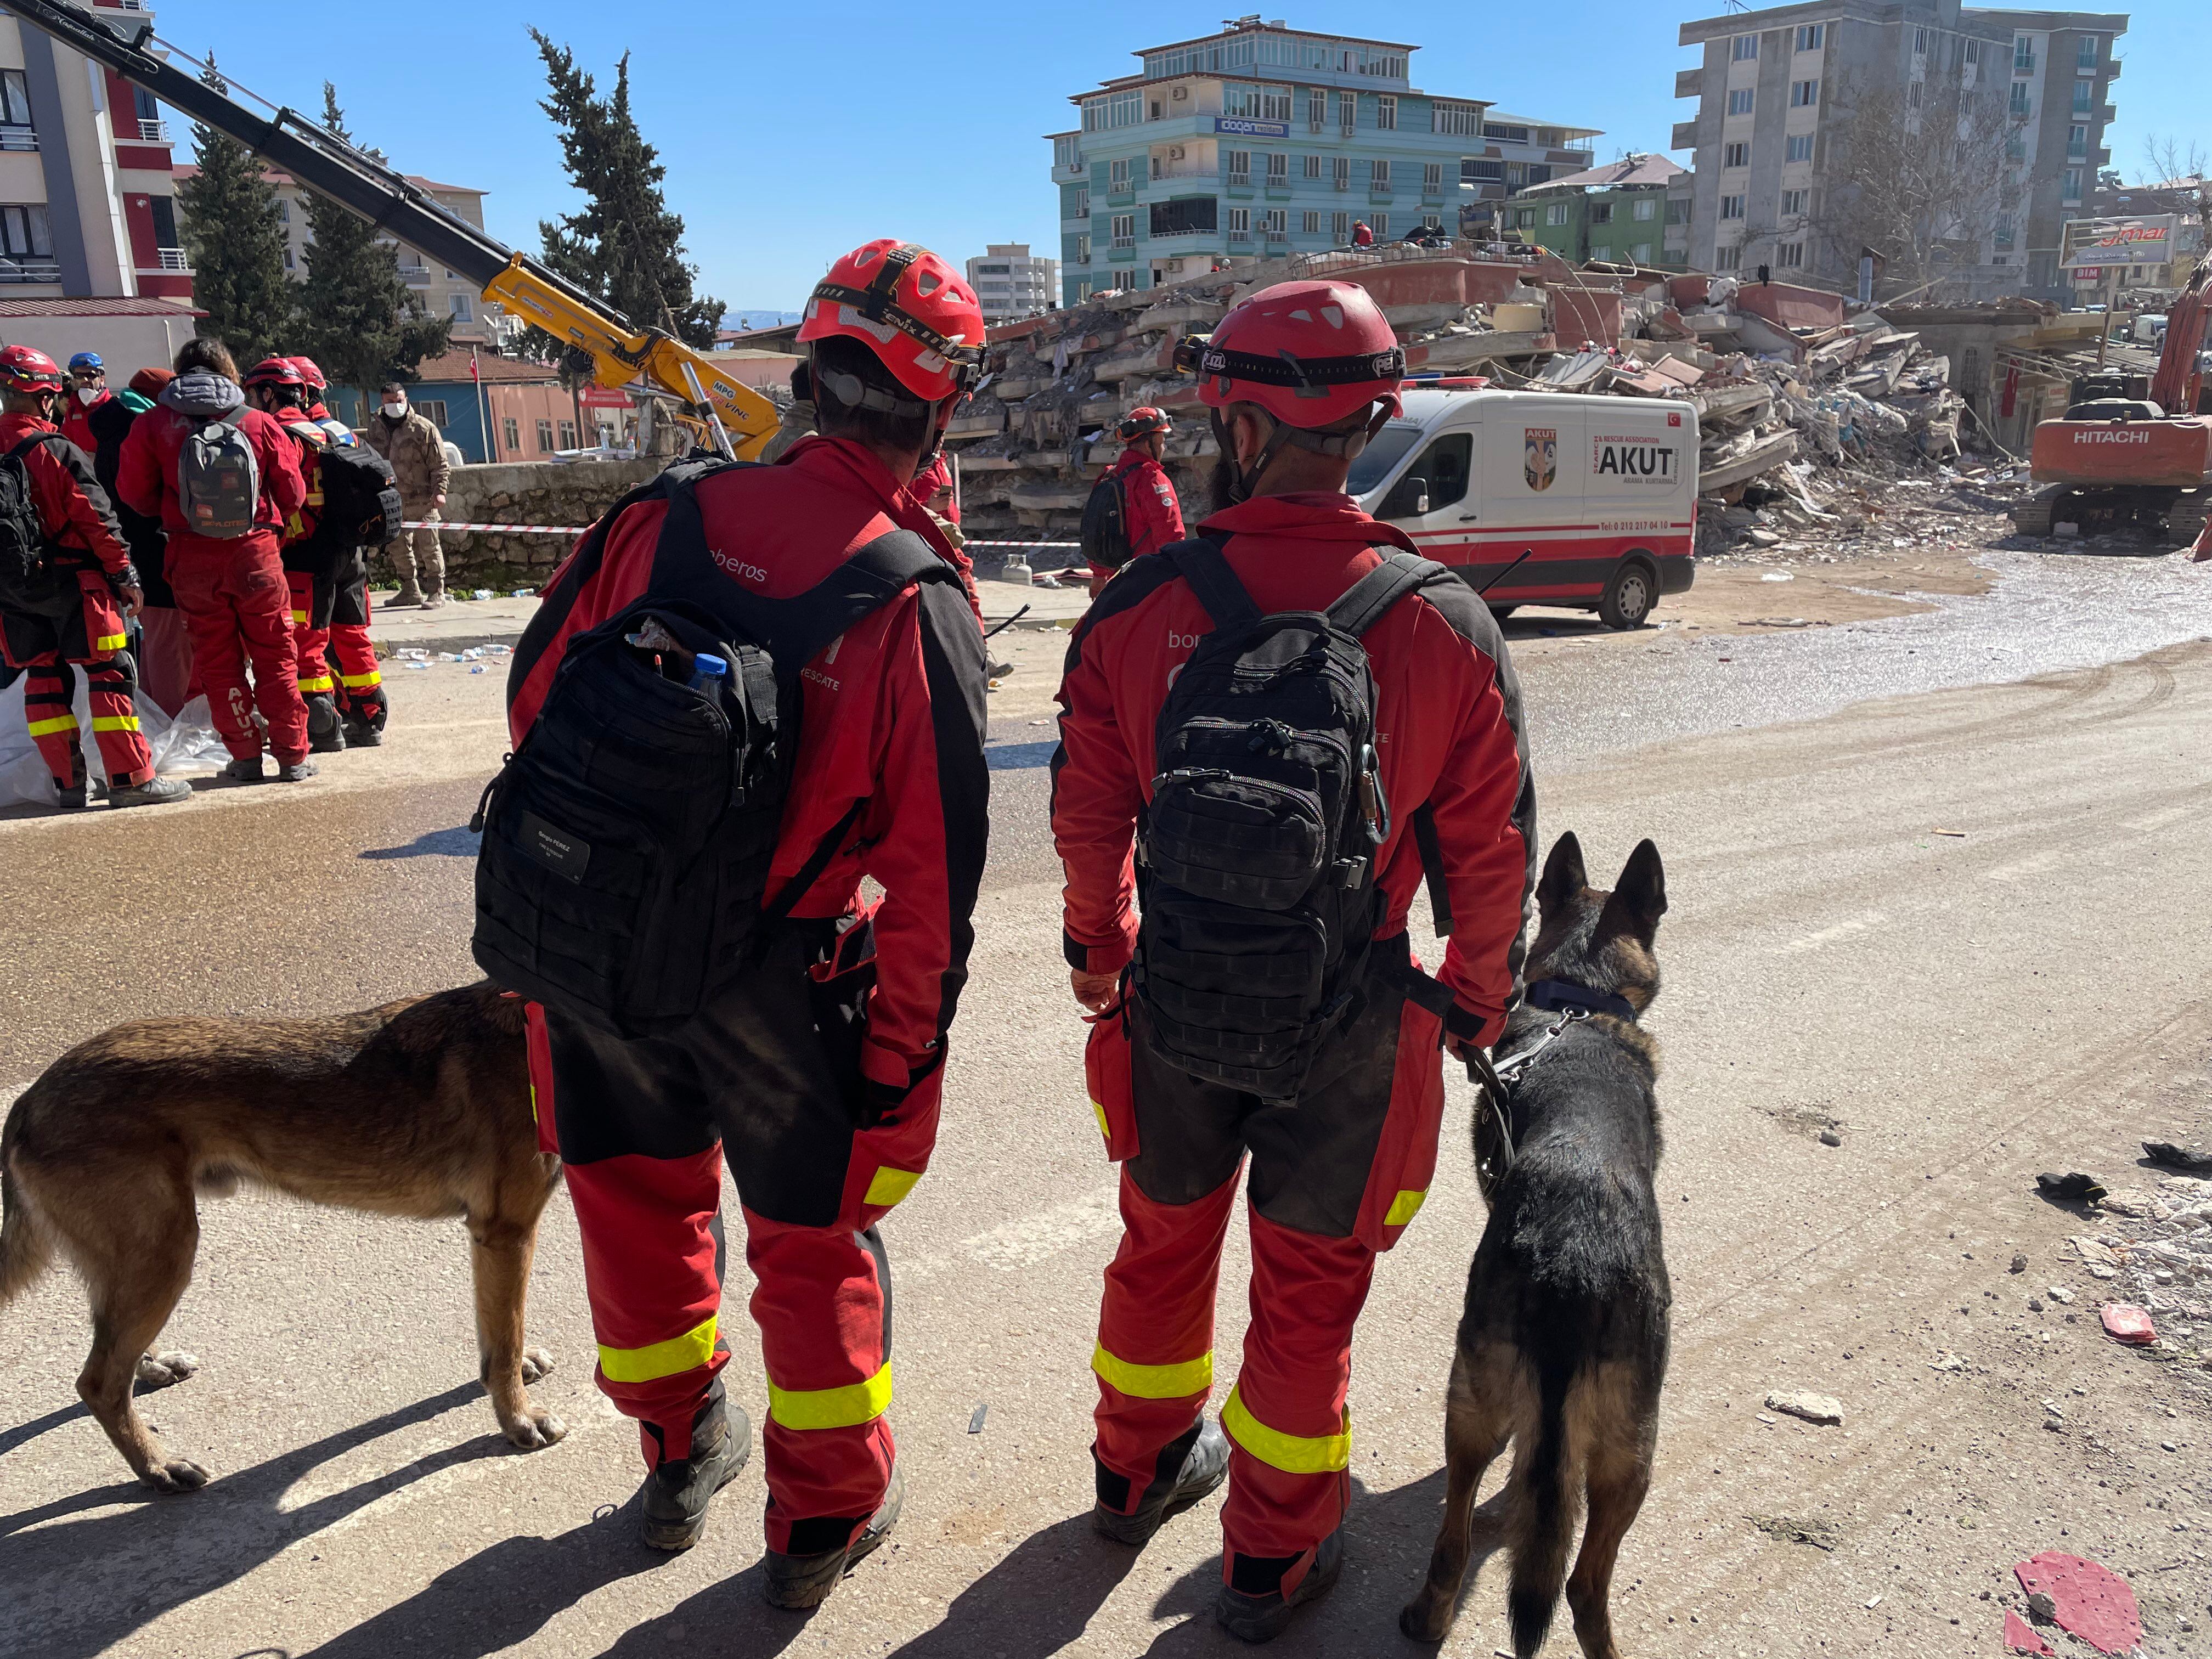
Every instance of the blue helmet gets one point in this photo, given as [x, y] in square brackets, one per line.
[87, 360]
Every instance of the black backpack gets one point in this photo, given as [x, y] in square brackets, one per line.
[30, 584]
[1257, 852]
[622, 880]
[1105, 532]
[360, 495]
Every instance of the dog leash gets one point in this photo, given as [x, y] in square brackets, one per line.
[1497, 1078]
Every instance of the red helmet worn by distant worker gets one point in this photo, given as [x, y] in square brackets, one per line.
[1139, 422]
[27, 369]
[309, 375]
[274, 371]
[1309, 353]
[910, 308]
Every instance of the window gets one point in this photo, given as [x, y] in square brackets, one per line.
[1735, 155]
[545, 437]
[1279, 173]
[1154, 109]
[1445, 465]
[1240, 168]
[433, 410]
[1378, 175]
[1432, 178]
[1538, 174]
[1386, 113]
[1462, 120]
[1473, 170]
[1125, 230]
[1799, 147]
[2084, 94]
[2084, 54]
[284, 211]
[25, 233]
[1083, 250]
[463, 312]
[1915, 92]
[1317, 109]
[510, 433]
[1381, 225]
[14, 99]
[1678, 210]
[1068, 151]
[1793, 204]
[1240, 224]
[1504, 133]
[1790, 255]
[1525, 218]
[1809, 37]
[567, 434]
[2078, 144]
[2023, 53]
[1920, 43]
[1079, 203]
[1343, 175]
[1804, 94]
[1731, 207]
[1117, 177]
[2004, 230]
[1312, 167]
[1156, 166]
[1641, 253]
[1601, 213]
[1313, 224]
[1348, 109]
[2019, 104]
[1339, 227]
[2015, 147]
[288, 257]
[1433, 221]
[2069, 187]
[1277, 223]
[1189, 213]
[1740, 100]
[1744, 48]
[1647, 207]
[1555, 213]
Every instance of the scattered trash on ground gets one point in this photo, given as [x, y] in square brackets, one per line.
[2194, 1160]
[2019, 1637]
[2124, 1322]
[1813, 1407]
[2083, 1599]
[1820, 1534]
[2076, 1188]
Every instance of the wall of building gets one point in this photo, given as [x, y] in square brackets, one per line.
[125, 343]
[522, 419]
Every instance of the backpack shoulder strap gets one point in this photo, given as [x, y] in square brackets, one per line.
[1363, 604]
[30, 443]
[874, 574]
[1201, 562]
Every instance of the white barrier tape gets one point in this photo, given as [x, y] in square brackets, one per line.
[1034, 547]
[512, 529]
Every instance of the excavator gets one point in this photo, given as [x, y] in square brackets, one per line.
[2125, 451]
[734, 418]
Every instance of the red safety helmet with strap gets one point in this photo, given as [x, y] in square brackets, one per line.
[27, 369]
[911, 309]
[1139, 421]
[309, 375]
[275, 371]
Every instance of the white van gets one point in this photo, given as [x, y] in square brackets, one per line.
[1543, 498]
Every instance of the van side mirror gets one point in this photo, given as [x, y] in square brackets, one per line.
[1409, 498]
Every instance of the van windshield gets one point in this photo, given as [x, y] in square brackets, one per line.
[1384, 451]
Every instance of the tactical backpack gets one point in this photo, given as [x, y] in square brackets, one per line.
[30, 583]
[218, 479]
[1257, 851]
[360, 495]
[622, 877]
[1105, 531]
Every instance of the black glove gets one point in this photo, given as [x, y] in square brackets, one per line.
[126, 577]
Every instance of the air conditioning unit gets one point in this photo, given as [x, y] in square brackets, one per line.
[1180, 94]
[1174, 152]
[1174, 264]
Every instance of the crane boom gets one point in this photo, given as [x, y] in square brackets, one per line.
[327, 165]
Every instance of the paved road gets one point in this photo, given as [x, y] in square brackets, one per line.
[1970, 1008]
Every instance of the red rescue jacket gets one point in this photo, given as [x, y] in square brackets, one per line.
[1150, 512]
[72, 506]
[1446, 722]
[146, 474]
[892, 716]
[76, 422]
[307, 439]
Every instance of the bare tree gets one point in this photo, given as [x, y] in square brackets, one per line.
[2182, 169]
[1921, 176]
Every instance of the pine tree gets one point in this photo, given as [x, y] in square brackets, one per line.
[357, 318]
[625, 248]
[234, 232]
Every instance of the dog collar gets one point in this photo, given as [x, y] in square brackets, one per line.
[1558, 996]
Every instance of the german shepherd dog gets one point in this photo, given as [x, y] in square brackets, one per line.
[1563, 1345]
[420, 1107]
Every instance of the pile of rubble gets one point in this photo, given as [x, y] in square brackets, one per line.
[2154, 1250]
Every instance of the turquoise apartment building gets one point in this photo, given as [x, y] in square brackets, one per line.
[1263, 140]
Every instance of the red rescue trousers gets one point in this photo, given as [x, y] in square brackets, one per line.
[361, 683]
[766, 1080]
[234, 597]
[91, 635]
[1334, 1180]
[311, 633]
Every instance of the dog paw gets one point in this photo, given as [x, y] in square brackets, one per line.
[1425, 1620]
[160, 1370]
[175, 1475]
[535, 1430]
[535, 1362]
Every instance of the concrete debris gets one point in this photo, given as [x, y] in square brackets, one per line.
[1813, 1407]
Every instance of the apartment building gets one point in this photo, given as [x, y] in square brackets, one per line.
[443, 292]
[1262, 141]
[1011, 283]
[1618, 212]
[1777, 87]
[1517, 152]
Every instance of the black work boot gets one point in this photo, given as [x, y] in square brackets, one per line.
[1252, 1615]
[296, 771]
[74, 792]
[1190, 1466]
[245, 768]
[360, 734]
[155, 791]
[675, 1496]
[806, 1581]
[324, 736]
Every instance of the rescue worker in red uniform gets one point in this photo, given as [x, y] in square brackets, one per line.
[890, 783]
[362, 702]
[1306, 373]
[276, 386]
[94, 587]
[87, 391]
[1152, 517]
[231, 589]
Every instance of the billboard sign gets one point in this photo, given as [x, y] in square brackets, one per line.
[2107, 244]
[1242, 129]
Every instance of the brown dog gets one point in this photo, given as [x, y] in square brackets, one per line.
[1563, 1345]
[420, 1109]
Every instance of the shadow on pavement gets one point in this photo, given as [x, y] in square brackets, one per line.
[11, 1438]
[431, 843]
[1039, 1599]
[81, 1588]
[729, 1619]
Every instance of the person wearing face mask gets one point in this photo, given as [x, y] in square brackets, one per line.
[87, 390]
[417, 455]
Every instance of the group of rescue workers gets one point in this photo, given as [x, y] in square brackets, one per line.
[1239, 1003]
[214, 512]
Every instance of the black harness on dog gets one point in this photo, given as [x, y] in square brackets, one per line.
[1573, 1003]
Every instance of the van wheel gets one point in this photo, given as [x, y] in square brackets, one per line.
[1629, 596]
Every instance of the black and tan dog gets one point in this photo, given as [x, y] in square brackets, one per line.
[1563, 1345]
[418, 1108]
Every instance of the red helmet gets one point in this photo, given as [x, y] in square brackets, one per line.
[1309, 353]
[27, 369]
[1139, 422]
[908, 306]
[274, 371]
[309, 375]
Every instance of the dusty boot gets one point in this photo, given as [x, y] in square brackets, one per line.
[324, 735]
[295, 771]
[806, 1581]
[409, 597]
[432, 597]
[1191, 1465]
[675, 1495]
[1261, 1617]
[246, 769]
[72, 793]
[365, 719]
[155, 791]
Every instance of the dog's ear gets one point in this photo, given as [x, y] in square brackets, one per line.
[1563, 876]
[1639, 899]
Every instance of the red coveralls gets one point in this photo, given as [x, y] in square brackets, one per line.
[76, 417]
[309, 610]
[75, 512]
[892, 717]
[1336, 1177]
[1150, 512]
[348, 653]
[232, 591]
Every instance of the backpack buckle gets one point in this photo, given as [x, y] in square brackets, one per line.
[1352, 873]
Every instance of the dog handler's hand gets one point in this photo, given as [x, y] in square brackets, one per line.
[1094, 991]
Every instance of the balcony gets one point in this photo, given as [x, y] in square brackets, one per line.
[1689, 83]
[1240, 181]
[1065, 171]
[20, 138]
[29, 268]
[1380, 197]
[153, 131]
[172, 258]
[1684, 135]
[415, 276]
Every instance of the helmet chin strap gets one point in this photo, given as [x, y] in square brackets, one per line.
[1242, 481]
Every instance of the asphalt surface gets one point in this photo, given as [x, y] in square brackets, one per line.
[1968, 1007]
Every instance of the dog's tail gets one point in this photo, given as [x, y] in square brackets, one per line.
[26, 1246]
[1546, 1506]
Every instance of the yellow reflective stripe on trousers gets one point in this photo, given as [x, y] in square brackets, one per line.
[658, 1359]
[831, 1408]
[115, 722]
[1405, 1208]
[355, 681]
[321, 684]
[890, 1185]
[110, 641]
[1293, 1454]
[59, 723]
[1099, 1112]
[1186, 1377]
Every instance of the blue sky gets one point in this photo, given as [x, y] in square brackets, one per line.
[791, 134]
